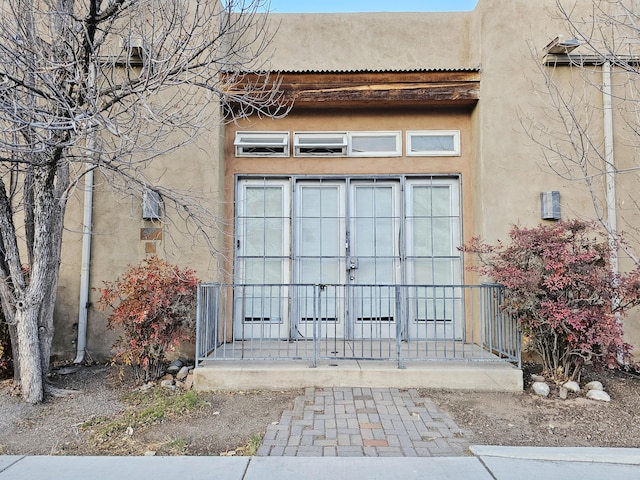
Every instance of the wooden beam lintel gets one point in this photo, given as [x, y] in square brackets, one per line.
[405, 94]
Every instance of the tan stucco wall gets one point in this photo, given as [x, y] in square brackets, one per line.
[511, 165]
[195, 170]
[372, 41]
[503, 170]
[507, 168]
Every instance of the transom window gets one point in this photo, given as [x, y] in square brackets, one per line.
[262, 144]
[375, 144]
[426, 143]
[433, 143]
[324, 144]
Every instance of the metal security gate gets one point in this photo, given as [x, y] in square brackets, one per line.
[355, 236]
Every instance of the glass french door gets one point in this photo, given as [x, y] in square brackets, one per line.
[433, 265]
[347, 237]
[319, 258]
[262, 269]
[364, 258]
[374, 261]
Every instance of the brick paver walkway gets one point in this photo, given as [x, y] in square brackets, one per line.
[360, 422]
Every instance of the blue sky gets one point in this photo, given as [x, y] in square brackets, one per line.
[317, 6]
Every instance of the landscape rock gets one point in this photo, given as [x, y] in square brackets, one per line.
[188, 382]
[175, 366]
[166, 377]
[537, 378]
[167, 383]
[563, 392]
[572, 386]
[595, 385]
[182, 374]
[541, 388]
[599, 395]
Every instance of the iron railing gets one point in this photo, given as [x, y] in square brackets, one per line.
[360, 322]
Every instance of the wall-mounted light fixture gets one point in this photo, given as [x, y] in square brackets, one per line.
[134, 49]
[151, 205]
[550, 205]
[560, 46]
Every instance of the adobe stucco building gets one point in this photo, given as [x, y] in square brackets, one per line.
[406, 138]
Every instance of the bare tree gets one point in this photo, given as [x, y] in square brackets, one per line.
[105, 85]
[590, 130]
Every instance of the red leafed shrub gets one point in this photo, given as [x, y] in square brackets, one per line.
[154, 305]
[568, 303]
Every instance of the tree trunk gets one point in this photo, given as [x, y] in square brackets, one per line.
[45, 322]
[31, 379]
[15, 352]
[36, 319]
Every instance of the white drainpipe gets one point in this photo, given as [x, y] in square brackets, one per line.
[87, 221]
[85, 270]
[610, 168]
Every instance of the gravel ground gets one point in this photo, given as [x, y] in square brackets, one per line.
[226, 422]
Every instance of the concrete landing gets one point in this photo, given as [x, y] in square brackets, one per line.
[278, 375]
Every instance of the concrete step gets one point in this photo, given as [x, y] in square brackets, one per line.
[494, 376]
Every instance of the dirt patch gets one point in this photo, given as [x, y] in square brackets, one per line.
[224, 422]
[530, 420]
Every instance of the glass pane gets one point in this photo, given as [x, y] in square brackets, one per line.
[441, 201]
[319, 223]
[310, 206]
[273, 202]
[310, 244]
[376, 271]
[422, 241]
[273, 237]
[364, 237]
[421, 201]
[364, 201]
[384, 238]
[374, 202]
[253, 241]
[431, 200]
[254, 202]
[432, 143]
[436, 271]
[442, 241]
[259, 270]
[319, 270]
[263, 202]
[371, 143]
[331, 239]
[384, 202]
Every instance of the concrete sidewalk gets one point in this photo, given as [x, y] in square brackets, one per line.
[499, 463]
